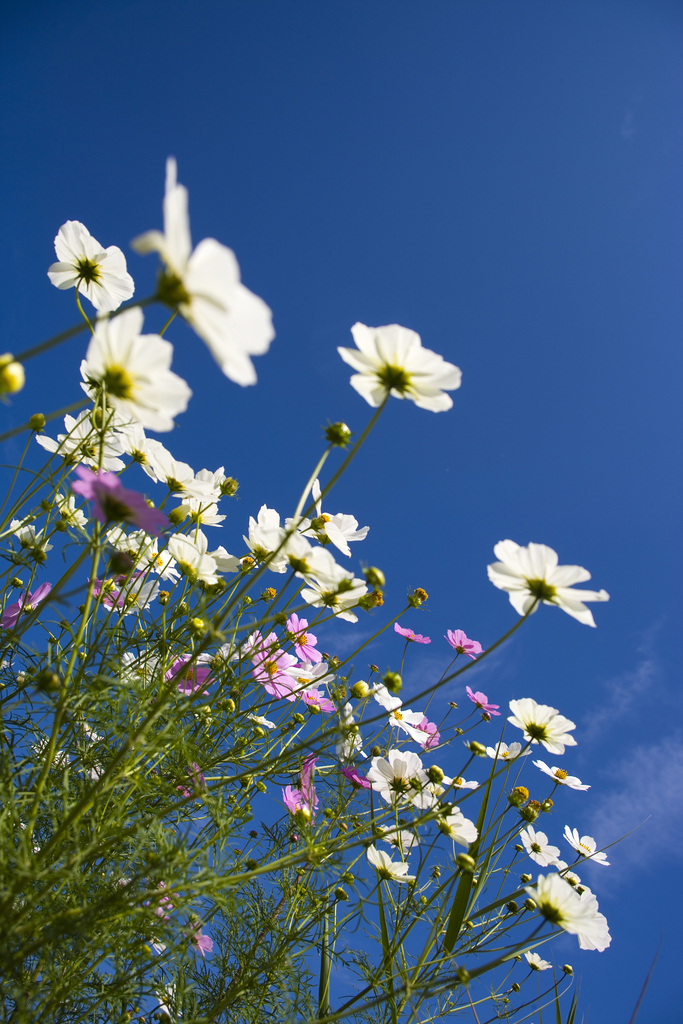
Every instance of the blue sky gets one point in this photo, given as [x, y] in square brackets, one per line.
[503, 178]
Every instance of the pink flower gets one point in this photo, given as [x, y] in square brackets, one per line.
[304, 643]
[192, 679]
[301, 800]
[461, 645]
[26, 603]
[270, 667]
[482, 701]
[434, 737]
[113, 503]
[409, 635]
[196, 775]
[204, 943]
[355, 777]
[315, 699]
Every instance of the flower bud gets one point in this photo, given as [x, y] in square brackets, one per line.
[182, 608]
[360, 689]
[229, 487]
[374, 668]
[333, 663]
[435, 774]
[16, 582]
[337, 434]
[177, 515]
[518, 796]
[418, 597]
[516, 987]
[375, 577]
[250, 864]
[229, 705]
[512, 907]
[465, 862]
[519, 848]
[547, 805]
[47, 680]
[436, 871]
[525, 879]
[12, 376]
[392, 681]
[340, 894]
[486, 716]
[298, 718]
[197, 626]
[463, 975]
[261, 786]
[246, 600]
[376, 751]
[259, 731]
[531, 811]
[476, 748]
[529, 904]
[375, 599]
[269, 594]
[37, 421]
[247, 563]
[567, 968]
[163, 597]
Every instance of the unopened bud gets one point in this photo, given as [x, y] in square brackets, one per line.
[374, 668]
[246, 600]
[12, 376]
[16, 582]
[547, 805]
[486, 716]
[518, 796]
[197, 626]
[418, 597]
[525, 878]
[567, 968]
[452, 704]
[247, 563]
[392, 681]
[177, 515]
[516, 987]
[337, 434]
[375, 599]
[182, 608]
[465, 862]
[298, 718]
[163, 597]
[340, 894]
[229, 705]
[333, 663]
[529, 904]
[250, 864]
[47, 680]
[376, 751]
[477, 748]
[463, 975]
[229, 487]
[435, 774]
[436, 871]
[531, 811]
[37, 421]
[375, 577]
[512, 906]
[360, 689]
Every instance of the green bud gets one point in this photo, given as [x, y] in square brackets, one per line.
[465, 862]
[463, 975]
[376, 751]
[531, 811]
[250, 864]
[435, 774]
[392, 681]
[229, 487]
[547, 805]
[375, 577]
[198, 626]
[348, 877]
[298, 718]
[37, 421]
[177, 515]
[47, 680]
[229, 705]
[182, 608]
[163, 597]
[16, 582]
[529, 904]
[512, 907]
[360, 689]
[516, 987]
[567, 968]
[518, 847]
[525, 879]
[478, 749]
[518, 796]
[12, 376]
[340, 894]
[436, 871]
[261, 786]
[337, 434]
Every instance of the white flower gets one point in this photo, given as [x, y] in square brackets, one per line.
[429, 795]
[561, 906]
[385, 699]
[504, 753]
[82, 443]
[262, 721]
[93, 736]
[387, 868]
[135, 370]
[458, 828]
[71, 515]
[542, 724]
[28, 536]
[392, 361]
[559, 776]
[536, 963]
[460, 783]
[407, 722]
[213, 481]
[225, 562]
[349, 741]
[191, 554]
[137, 595]
[266, 536]
[401, 839]
[331, 586]
[585, 846]
[598, 936]
[99, 273]
[531, 575]
[537, 846]
[144, 551]
[200, 511]
[205, 287]
[134, 443]
[339, 529]
[397, 776]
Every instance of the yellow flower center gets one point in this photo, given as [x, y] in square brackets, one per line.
[118, 382]
[398, 715]
[560, 774]
[540, 589]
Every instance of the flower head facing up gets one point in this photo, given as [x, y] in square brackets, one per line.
[204, 286]
[536, 963]
[502, 752]
[191, 674]
[482, 701]
[113, 503]
[355, 777]
[538, 848]
[391, 361]
[135, 370]
[26, 603]
[531, 576]
[99, 274]
[387, 869]
[542, 724]
[461, 643]
[560, 777]
[397, 776]
[304, 643]
[270, 668]
[585, 846]
[416, 638]
[562, 907]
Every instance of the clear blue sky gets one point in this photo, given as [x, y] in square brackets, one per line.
[503, 177]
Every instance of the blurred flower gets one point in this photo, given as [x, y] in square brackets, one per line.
[355, 777]
[409, 635]
[597, 936]
[112, 502]
[585, 846]
[537, 846]
[401, 839]
[262, 721]
[135, 370]
[433, 737]
[385, 699]
[301, 800]
[482, 701]
[542, 724]
[392, 361]
[564, 908]
[387, 868]
[84, 443]
[100, 274]
[191, 673]
[462, 645]
[536, 963]
[560, 777]
[205, 287]
[71, 515]
[349, 741]
[26, 603]
[531, 575]
[201, 942]
[201, 511]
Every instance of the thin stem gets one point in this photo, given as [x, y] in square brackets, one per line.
[314, 476]
[48, 416]
[78, 303]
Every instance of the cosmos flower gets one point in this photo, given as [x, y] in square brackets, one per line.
[461, 644]
[585, 846]
[397, 776]
[100, 274]
[560, 777]
[409, 635]
[304, 642]
[191, 554]
[542, 724]
[355, 777]
[408, 721]
[391, 361]
[202, 943]
[538, 848]
[84, 443]
[191, 673]
[26, 603]
[433, 736]
[504, 753]
[386, 868]
[536, 963]
[482, 701]
[112, 502]
[532, 576]
[563, 907]
[458, 828]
